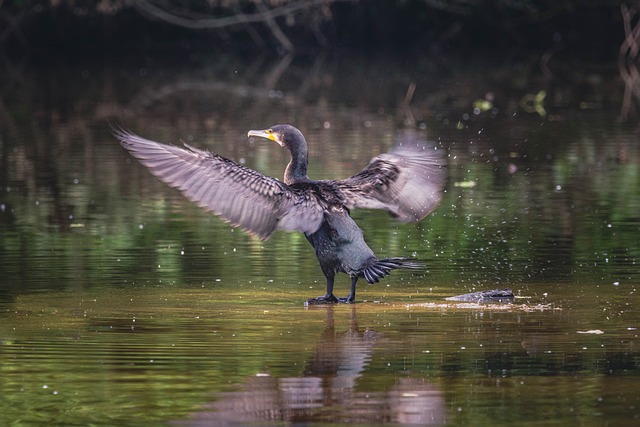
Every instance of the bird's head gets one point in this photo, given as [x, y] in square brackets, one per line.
[285, 135]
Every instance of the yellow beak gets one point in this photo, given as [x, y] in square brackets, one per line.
[262, 134]
[265, 134]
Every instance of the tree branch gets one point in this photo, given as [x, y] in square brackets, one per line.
[197, 22]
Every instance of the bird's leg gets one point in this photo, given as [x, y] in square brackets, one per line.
[352, 295]
[329, 298]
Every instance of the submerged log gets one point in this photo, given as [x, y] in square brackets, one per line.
[494, 295]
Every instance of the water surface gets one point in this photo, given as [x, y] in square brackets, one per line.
[122, 303]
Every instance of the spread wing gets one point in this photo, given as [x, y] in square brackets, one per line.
[408, 182]
[241, 196]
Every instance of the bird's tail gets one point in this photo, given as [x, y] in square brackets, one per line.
[382, 267]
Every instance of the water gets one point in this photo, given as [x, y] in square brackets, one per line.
[121, 303]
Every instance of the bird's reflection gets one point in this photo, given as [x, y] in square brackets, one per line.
[326, 391]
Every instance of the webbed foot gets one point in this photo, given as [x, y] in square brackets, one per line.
[329, 299]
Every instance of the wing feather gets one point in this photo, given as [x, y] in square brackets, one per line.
[241, 196]
[408, 181]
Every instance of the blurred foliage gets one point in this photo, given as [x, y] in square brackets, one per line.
[590, 28]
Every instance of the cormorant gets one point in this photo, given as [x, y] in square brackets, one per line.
[407, 181]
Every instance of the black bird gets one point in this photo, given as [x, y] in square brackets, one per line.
[407, 181]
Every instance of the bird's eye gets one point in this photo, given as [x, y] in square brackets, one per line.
[269, 131]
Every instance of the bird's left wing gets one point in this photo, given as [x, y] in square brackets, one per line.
[408, 181]
[241, 196]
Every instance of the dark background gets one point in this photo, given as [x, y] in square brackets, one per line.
[45, 29]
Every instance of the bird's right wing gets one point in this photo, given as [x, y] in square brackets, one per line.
[241, 196]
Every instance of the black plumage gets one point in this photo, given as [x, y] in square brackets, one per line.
[407, 181]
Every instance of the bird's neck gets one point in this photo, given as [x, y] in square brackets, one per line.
[297, 168]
